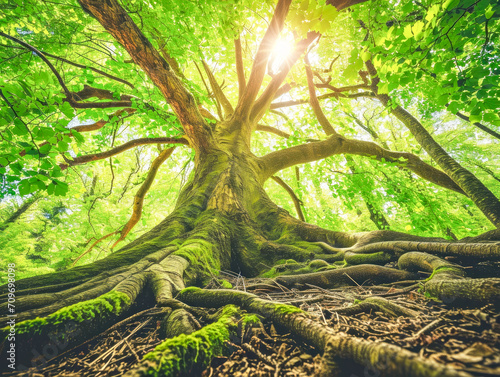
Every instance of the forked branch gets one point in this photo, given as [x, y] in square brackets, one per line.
[260, 62]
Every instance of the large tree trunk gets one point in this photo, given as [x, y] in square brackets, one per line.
[223, 220]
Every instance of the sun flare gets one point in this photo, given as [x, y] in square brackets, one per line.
[281, 51]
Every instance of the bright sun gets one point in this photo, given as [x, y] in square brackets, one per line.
[281, 51]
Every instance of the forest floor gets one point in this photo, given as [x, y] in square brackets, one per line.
[465, 338]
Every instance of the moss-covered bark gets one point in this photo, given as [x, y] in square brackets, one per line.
[448, 283]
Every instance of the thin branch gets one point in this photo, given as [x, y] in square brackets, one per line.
[279, 105]
[102, 73]
[344, 4]
[284, 89]
[349, 88]
[218, 93]
[260, 62]
[101, 123]
[313, 99]
[217, 103]
[141, 193]
[368, 129]
[90, 127]
[22, 121]
[92, 246]
[296, 201]
[479, 125]
[280, 114]
[122, 148]
[90, 92]
[69, 95]
[240, 68]
[264, 128]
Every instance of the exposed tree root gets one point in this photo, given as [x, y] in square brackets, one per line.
[388, 359]
[447, 282]
[188, 354]
[355, 275]
[378, 304]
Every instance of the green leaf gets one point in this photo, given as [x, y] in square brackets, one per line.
[67, 110]
[19, 127]
[24, 187]
[489, 13]
[407, 32]
[475, 118]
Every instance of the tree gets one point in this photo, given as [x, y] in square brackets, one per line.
[89, 58]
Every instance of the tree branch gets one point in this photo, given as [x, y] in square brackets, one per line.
[240, 68]
[90, 127]
[119, 24]
[264, 128]
[260, 62]
[296, 201]
[279, 105]
[218, 93]
[209, 94]
[344, 4]
[323, 121]
[264, 101]
[69, 95]
[479, 125]
[482, 197]
[122, 148]
[284, 89]
[101, 123]
[336, 144]
[141, 193]
[349, 88]
[102, 73]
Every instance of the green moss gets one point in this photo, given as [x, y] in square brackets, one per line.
[318, 263]
[447, 270]
[111, 303]
[374, 258]
[250, 318]
[291, 267]
[284, 309]
[225, 284]
[185, 353]
[189, 289]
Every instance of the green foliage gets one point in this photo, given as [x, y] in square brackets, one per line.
[445, 49]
